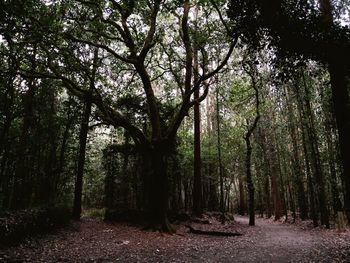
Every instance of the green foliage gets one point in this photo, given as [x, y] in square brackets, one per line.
[94, 213]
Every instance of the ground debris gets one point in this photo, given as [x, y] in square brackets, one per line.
[99, 241]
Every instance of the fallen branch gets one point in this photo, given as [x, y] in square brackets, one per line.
[212, 233]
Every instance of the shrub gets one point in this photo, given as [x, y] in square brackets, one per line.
[94, 212]
[14, 226]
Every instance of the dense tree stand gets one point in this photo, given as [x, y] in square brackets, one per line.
[148, 113]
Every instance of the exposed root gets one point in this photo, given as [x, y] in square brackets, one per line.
[212, 233]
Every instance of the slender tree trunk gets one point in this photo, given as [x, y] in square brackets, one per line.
[307, 164]
[109, 181]
[250, 183]
[21, 187]
[126, 188]
[62, 152]
[84, 128]
[272, 160]
[7, 112]
[292, 202]
[315, 158]
[302, 203]
[197, 179]
[282, 184]
[266, 170]
[268, 196]
[78, 191]
[221, 176]
[331, 151]
[242, 205]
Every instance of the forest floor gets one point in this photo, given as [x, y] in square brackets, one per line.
[93, 240]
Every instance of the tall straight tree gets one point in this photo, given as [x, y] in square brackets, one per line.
[22, 185]
[197, 179]
[339, 70]
[247, 137]
[84, 128]
[221, 172]
[297, 169]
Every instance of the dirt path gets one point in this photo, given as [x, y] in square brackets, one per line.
[276, 242]
[98, 241]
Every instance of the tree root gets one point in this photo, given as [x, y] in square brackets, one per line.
[212, 233]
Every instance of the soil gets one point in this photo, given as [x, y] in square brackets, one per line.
[93, 240]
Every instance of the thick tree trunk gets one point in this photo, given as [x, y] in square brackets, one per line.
[339, 70]
[158, 188]
[276, 198]
[341, 104]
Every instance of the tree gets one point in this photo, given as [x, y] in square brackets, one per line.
[111, 27]
[197, 178]
[251, 127]
[84, 127]
[298, 32]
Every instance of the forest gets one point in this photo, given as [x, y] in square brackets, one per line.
[220, 122]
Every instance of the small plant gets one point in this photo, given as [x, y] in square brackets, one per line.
[94, 213]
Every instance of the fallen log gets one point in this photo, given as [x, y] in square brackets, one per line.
[212, 232]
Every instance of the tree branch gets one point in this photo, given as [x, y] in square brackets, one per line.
[108, 49]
